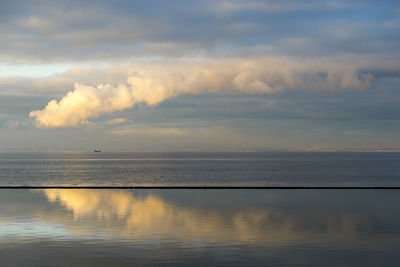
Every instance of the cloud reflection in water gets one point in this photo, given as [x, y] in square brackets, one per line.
[122, 214]
[279, 227]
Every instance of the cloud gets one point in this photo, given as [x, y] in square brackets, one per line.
[149, 131]
[152, 84]
[279, 6]
[123, 132]
[116, 121]
[109, 30]
[84, 102]
[13, 124]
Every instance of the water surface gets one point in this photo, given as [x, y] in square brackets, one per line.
[199, 169]
[215, 227]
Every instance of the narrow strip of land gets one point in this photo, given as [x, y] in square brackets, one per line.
[194, 187]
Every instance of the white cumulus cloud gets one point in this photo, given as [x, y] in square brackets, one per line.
[154, 83]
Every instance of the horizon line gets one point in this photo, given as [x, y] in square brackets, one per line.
[205, 151]
[209, 187]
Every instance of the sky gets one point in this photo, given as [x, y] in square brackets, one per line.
[184, 75]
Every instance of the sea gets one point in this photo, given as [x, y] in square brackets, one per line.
[200, 169]
[199, 227]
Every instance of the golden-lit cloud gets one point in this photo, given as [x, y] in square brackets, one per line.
[116, 121]
[154, 83]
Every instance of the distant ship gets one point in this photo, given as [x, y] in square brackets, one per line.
[97, 150]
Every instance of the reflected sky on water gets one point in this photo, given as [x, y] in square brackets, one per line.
[253, 227]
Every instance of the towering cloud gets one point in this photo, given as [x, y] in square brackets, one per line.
[154, 83]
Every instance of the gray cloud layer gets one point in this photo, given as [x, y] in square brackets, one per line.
[322, 72]
[98, 30]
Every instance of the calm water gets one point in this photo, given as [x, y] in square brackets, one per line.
[251, 169]
[201, 227]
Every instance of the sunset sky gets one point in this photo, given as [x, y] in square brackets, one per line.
[183, 75]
